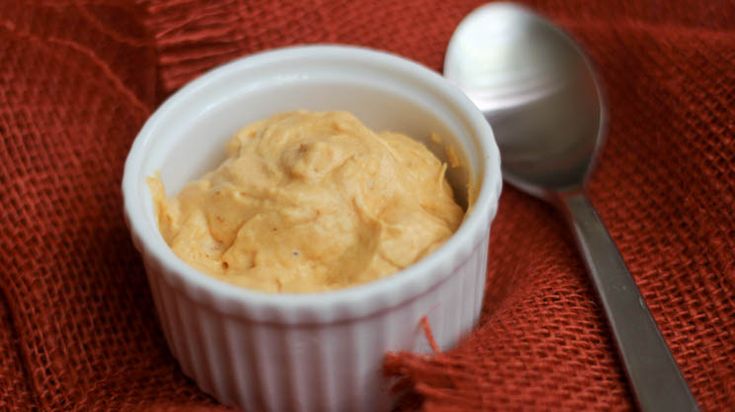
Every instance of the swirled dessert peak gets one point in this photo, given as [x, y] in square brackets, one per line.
[311, 201]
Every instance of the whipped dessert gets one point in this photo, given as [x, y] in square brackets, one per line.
[308, 202]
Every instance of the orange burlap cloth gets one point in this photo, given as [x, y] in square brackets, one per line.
[78, 78]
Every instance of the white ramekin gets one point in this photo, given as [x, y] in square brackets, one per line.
[310, 352]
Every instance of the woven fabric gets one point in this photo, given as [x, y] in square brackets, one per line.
[78, 78]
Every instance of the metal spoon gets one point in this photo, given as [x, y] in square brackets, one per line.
[541, 96]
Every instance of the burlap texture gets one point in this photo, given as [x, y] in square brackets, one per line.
[78, 78]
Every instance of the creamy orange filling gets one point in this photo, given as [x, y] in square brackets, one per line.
[308, 202]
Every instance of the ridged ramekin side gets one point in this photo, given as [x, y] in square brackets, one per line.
[330, 366]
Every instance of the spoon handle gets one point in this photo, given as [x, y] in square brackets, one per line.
[654, 376]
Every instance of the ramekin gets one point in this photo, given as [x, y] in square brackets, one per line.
[322, 351]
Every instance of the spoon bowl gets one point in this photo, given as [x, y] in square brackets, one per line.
[538, 91]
